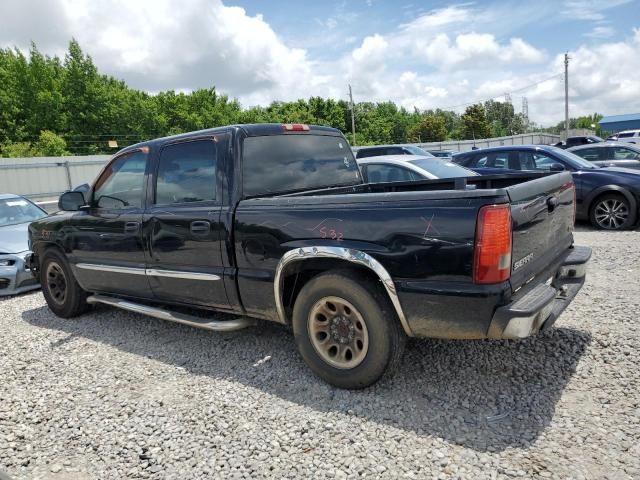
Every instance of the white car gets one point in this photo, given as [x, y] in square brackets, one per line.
[407, 168]
[629, 136]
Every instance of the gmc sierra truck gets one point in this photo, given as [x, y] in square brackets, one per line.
[274, 222]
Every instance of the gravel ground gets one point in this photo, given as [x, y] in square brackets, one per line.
[117, 395]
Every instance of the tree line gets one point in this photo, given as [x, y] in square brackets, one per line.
[53, 106]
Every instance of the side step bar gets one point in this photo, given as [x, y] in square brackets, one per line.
[192, 321]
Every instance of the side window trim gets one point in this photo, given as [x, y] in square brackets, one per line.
[218, 138]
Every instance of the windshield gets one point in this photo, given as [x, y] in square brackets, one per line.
[18, 210]
[417, 151]
[442, 168]
[574, 160]
[286, 163]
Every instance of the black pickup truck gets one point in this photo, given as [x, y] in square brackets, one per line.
[274, 222]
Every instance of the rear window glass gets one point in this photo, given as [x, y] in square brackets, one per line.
[442, 168]
[285, 163]
[626, 135]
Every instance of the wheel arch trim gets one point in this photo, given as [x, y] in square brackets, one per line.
[349, 255]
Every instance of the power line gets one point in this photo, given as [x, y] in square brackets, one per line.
[526, 87]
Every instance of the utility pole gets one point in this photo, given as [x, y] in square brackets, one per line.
[353, 116]
[566, 94]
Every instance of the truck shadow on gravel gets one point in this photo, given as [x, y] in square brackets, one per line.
[485, 395]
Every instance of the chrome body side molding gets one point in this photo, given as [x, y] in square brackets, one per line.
[156, 312]
[352, 256]
[111, 268]
[152, 272]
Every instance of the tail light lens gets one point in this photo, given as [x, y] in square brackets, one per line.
[492, 254]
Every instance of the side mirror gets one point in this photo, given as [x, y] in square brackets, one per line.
[556, 167]
[71, 201]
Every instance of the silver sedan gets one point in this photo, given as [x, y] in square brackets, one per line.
[406, 168]
[16, 213]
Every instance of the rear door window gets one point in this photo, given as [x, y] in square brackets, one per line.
[187, 172]
[590, 154]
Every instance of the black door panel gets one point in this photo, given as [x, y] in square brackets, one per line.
[182, 227]
[107, 249]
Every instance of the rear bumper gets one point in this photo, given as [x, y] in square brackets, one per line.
[16, 277]
[539, 309]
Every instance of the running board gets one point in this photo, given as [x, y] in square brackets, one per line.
[192, 321]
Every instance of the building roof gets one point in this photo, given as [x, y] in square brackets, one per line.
[620, 118]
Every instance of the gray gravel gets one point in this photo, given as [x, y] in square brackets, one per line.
[117, 395]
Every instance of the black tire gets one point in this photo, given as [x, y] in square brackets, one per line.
[385, 337]
[624, 218]
[61, 290]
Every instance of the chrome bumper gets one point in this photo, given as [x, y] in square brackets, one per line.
[539, 309]
[16, 277]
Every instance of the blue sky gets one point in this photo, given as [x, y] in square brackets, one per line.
[417, 54]
[331, 27]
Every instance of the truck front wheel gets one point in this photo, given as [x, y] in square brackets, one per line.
[61, 291]
[346, 329]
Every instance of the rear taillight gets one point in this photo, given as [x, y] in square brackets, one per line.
[295, 127]
[492, 254]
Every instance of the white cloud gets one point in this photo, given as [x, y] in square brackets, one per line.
[155, 46]
[589, 9]
[601, 31]
[474, 48]
[444, 57]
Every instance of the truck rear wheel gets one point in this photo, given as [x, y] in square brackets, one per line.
[61, 291]
[346, 329]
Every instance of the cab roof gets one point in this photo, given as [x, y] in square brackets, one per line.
[250, 130]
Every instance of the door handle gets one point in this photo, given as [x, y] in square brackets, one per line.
[131, 227]
[200, 227]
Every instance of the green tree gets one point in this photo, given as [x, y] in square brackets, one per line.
[475, 123]
[431, 128]
[50, 145]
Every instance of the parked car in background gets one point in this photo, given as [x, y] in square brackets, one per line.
[610, 154]
[629, 136]
[378, 150]
[579, 140]
[440, 153]
[275, 222]
[406, 168]
[606, 196]
[16, 213]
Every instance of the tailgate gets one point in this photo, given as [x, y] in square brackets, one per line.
[542, 215]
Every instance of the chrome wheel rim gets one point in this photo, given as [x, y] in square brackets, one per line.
[338, 332]
[56, 283]
[611, 214]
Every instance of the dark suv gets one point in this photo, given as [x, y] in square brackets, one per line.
[607, 197]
